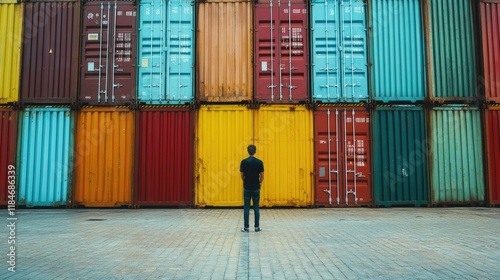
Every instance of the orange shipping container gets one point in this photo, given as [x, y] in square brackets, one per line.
[224, 51]
[104, 157]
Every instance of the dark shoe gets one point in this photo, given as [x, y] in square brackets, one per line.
[244, 229]
[257, 229]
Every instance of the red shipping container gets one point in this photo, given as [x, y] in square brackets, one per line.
[8, 141]
[164, 156]
[342, 156]
[50, 52]
[108, 74]
[493, 153]
[490, 26]
[281, 52]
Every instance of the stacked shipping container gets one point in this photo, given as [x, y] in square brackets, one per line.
[8, 142]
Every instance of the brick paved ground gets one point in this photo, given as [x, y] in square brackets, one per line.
[393, 243]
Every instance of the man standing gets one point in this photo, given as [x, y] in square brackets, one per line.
[252, 174]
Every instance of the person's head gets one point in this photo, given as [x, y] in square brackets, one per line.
[251, 149]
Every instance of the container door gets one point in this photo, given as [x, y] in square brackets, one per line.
[281, 52]
[353, 49]
[8, 142]
[152, 54]
[108, 74]
[326, 59]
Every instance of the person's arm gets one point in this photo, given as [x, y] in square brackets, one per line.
[261, 177]
[242, 176]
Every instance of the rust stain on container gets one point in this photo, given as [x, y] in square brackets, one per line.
[50, 52]
[8, 144]
[224, 51]
[343, 156]
[164, 156]
[104, 152]
[108, 70]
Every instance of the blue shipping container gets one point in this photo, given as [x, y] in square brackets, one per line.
[46, 156]
[398, 54]
[339, 57]
[166, 52]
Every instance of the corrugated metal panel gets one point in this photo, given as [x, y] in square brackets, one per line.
[108, 74]
[339, 56]
[399, 156]
[224, 51]
[222, 136]
[281, 51]
[284, 138]
[456, 156]
[104, 157]
[46, 157]
[452, 59]
[398, 51]
[10, 1]
[50, 52]
[493, 153]
[166, 59]
[8, 141]
[11, 26]
[164, 157]
[343, 156]
[490, 26]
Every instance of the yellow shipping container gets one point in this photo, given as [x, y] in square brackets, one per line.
[104, 157]
[224, 51]
[222, 134]
[11, 26]
[284, 138]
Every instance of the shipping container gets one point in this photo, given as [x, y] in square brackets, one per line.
[108, 62]
[490, 27]
[45, 157]
[8, 152]
[339, 51]
[343, 156]
[104, 154]
[11, 26]
[398, 69]
[164, 156]
[451, 55]
[492, 132]
[50, 52]
[283, 135]
[399, 156]
[224, 51]
[223, 133]
[166, 52]
[456, 158]
[281, 51]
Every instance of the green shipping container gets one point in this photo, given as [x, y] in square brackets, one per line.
[399, 156]
[452, 59]
[456, 156]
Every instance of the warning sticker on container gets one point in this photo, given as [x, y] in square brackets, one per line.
[264, 66]
[90, 66]
[93, 37]
[145, 63]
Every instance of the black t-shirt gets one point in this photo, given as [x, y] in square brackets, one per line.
[251, 168]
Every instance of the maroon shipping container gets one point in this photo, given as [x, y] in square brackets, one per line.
[164, 156]
[50, 52]
[490, 26]
[493, 153]
[108, 74]
[281, 52]
[342, 156]
[8, 140]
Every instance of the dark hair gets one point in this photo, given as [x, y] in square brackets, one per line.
[251, 149]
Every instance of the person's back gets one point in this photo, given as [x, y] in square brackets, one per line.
[251, 168]
[252, 174]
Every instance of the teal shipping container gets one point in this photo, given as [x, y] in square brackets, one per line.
[338, 49]
[452, 62]
[45, 157]
[166, 52]
[398, 71]
[399, 156]
[456, 157]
